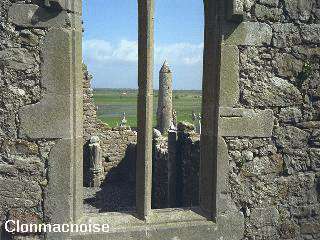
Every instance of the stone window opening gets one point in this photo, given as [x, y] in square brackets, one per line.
[145, 127]
[176, 138]
[109, 132]
[95, 177]
[63, 198]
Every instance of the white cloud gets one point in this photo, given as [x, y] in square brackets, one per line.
[179, 53]
[115, 65]
[103, 52]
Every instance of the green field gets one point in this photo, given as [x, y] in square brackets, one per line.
[112, 103]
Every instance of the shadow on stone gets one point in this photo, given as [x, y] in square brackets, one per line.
[45, 14]
[117, 192]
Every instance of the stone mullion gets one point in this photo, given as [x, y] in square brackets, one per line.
[145, 108]
[210, 107]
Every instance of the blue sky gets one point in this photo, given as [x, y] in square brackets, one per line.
[110, 41]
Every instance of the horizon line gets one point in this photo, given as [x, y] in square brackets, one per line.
[106, 88]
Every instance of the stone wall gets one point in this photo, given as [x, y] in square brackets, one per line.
[23, 160]
[160, 184]
[275, 181]
[188, 164]
[176, 165]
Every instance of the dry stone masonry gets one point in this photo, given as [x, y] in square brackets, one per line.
[260, 122]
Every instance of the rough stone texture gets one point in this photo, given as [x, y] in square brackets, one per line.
[249, 34]
[275, 181]
[23, 162]
[160, 171]
[187, 163]
[265, 13]
[188, 168]
[286, 34]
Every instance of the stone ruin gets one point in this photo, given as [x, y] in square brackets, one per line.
[260, 125]
[165, 109]
[103, 170]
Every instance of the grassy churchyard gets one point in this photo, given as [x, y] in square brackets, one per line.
[112, 103]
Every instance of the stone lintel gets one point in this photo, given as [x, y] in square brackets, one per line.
[229, 76]
[253, 123]
[33, 16]
[247, 34]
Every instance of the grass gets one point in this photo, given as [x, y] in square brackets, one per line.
[112, 103]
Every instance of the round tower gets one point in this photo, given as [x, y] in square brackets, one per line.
[164, 111]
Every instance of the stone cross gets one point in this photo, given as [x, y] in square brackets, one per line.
[96, 170]
[124, 121]
[198, 124]
[164, 111]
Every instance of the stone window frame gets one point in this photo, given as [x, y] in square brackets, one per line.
[147, 222]
[58, 117]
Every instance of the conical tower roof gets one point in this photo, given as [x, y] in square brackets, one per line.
[165, 67]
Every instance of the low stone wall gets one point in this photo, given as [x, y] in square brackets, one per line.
[188, 164]
[160, 183]
[176, 169]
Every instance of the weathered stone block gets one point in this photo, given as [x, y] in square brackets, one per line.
[286, 34]
[314, 154]
[276, 92]
[252, 124]
[310, 33]
[231, 112]
[50, 118]
[57, 61]
[290, 115]
[296, 160]
[310, 227]
[264, 13]
[263, 165]
[236, 10]
[287, 65]
[229, 80]
[248, 34]
[261, 217]
[289, 229]
[299, 189]
[291, 137]
[26, 194]
[30, 15]
[17, 59]
[305, 211]
[272, 3]
[58, 203]
[299, 9]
